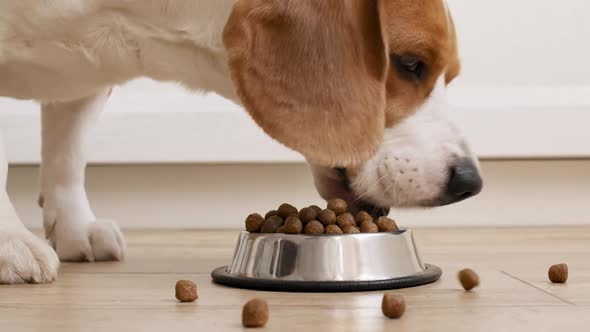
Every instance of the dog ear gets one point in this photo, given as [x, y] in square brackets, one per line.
[312, 74]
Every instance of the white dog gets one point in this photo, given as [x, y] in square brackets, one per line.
[362, 81]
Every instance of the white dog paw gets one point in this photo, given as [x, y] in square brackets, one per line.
[100, 240]
[25, 258]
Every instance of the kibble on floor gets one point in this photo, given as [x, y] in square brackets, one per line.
[393, 305]
[186, 291]
[468, 279]
[558, 273]
[255, 313]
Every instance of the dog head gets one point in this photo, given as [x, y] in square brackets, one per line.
[358, 87]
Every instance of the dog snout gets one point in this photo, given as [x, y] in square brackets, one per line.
[464, 181]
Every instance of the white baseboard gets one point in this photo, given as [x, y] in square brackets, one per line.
[144, 124]
[516, 193]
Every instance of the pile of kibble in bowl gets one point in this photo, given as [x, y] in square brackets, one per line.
[313, 220]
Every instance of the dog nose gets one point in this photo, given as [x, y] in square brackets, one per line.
[464, 181]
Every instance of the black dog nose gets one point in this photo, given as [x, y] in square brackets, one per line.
[464, 181]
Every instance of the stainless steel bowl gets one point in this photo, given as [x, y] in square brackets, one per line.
[347, 262]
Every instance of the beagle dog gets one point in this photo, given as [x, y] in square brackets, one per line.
[355, 86]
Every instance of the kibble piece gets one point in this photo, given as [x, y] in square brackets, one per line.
[293, 225]
[271, 213]
[468, 279]
[350, 230]
[327, 217]
[369, 227]
[393, 305]
[285, 210]
[186, 291]
[255, 313]
[333, 229]
[254, 222]
[281, 230]
[386, 224]
[316, 208]
[363, 216]
[307, 214]
[345, 219]
[339, 206]
[558, 273]
[271, 224]
[314, 227]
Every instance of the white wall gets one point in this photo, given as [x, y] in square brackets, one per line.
[523, 43]
[524, 92]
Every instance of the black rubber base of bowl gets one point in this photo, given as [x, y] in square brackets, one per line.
[431, 274]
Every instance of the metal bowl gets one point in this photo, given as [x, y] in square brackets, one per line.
[326, 263]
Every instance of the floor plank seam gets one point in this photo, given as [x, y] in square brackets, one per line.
[538, 288]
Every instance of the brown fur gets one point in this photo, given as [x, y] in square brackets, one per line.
[315, 74]
[420, 28]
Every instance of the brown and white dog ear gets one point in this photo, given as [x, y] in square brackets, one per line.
[312, 74]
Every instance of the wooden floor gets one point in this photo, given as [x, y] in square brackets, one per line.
[138, 294]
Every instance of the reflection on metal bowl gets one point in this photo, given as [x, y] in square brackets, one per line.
[324, 263]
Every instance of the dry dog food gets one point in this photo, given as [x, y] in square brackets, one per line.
[327, 217]
[386, 225]
[369, 227]
[313, 220]
[363, 216]
[271, 213]
[254, 222]
[339, 206]
[558, 273]
[393, 305]
[468, 279]
[316, 208]
[333, 229]
[314, 227]
[308, 214]
[255, 313]
[186, 291]
[345, 219]
[293, 225]
[285, 210]
[272, 224]
[350, 230]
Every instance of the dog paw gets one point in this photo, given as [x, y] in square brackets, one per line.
[25, 258]
[100, 240]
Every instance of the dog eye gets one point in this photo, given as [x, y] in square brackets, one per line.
[410, 63]
[409, 66]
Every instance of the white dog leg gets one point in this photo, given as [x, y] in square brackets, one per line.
[69, 222]
[23, 256]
